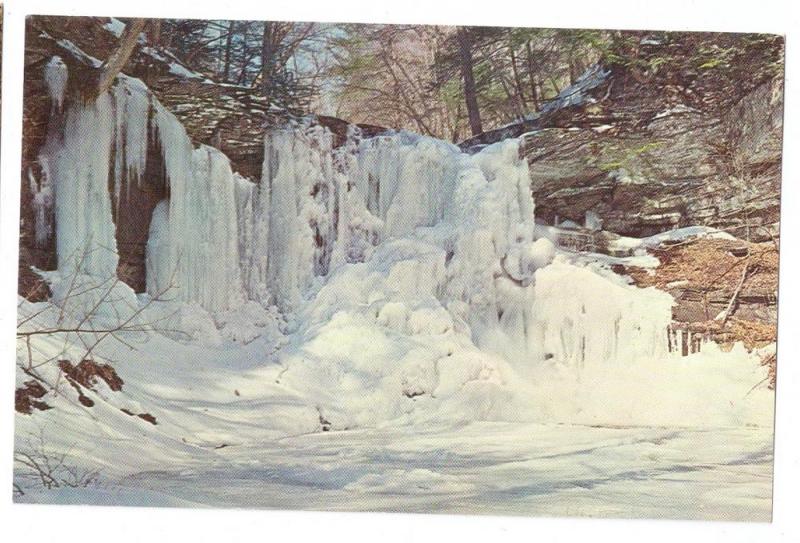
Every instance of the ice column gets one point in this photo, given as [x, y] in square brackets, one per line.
[77, 167]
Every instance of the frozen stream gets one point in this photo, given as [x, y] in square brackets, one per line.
[491, 468]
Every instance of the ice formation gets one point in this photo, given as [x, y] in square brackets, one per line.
[193, 251]
[409, 271]
[405, 270]
[42, 203]
[75, 164]
[295, 210]
[319, 209]
[55, 78]
[598, 321]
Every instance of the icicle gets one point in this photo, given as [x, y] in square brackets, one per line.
[56, 76]
[158, 258]
[290, 252]
[42, 207]
[215, 236]
[194, 244]
[246, 194]
[132, 107]
[585, 317]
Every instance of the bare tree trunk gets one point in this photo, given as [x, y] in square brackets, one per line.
[117, 60]
[242, 79]
[554, 83]
[267, 54]
[247, 56]
[470, 89]
[734, 301]
[517, 79]
[512, 99]
[580, 67]
[228, 47]
[532, 76]
[156, 26]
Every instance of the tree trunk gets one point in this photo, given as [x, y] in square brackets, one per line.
[156, 27]
[247, 56]
[117, 60]
[267, 53]
[517, 79]
[554, 83]
[512, 98]
[532, 77]
[228, 47]
[470, 90]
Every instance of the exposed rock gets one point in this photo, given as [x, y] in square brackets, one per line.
[30, 284]
[681, 129]
[85, 376]
[28, 398]
[87, 372]
[683, 168]
[144, 416]
[148, 418]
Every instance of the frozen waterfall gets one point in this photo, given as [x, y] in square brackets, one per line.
[399, 228]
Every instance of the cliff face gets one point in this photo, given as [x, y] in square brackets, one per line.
[683, 167]
[680, 131]
[673, 129]
[48, 37]
[648, 153]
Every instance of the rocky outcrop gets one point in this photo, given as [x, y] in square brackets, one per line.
[684, 167]
[670, 130]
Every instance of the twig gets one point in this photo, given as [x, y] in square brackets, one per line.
[756, 386]
[732, 303]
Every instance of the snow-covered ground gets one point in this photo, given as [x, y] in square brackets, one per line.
[482, 467]
[681, 439]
